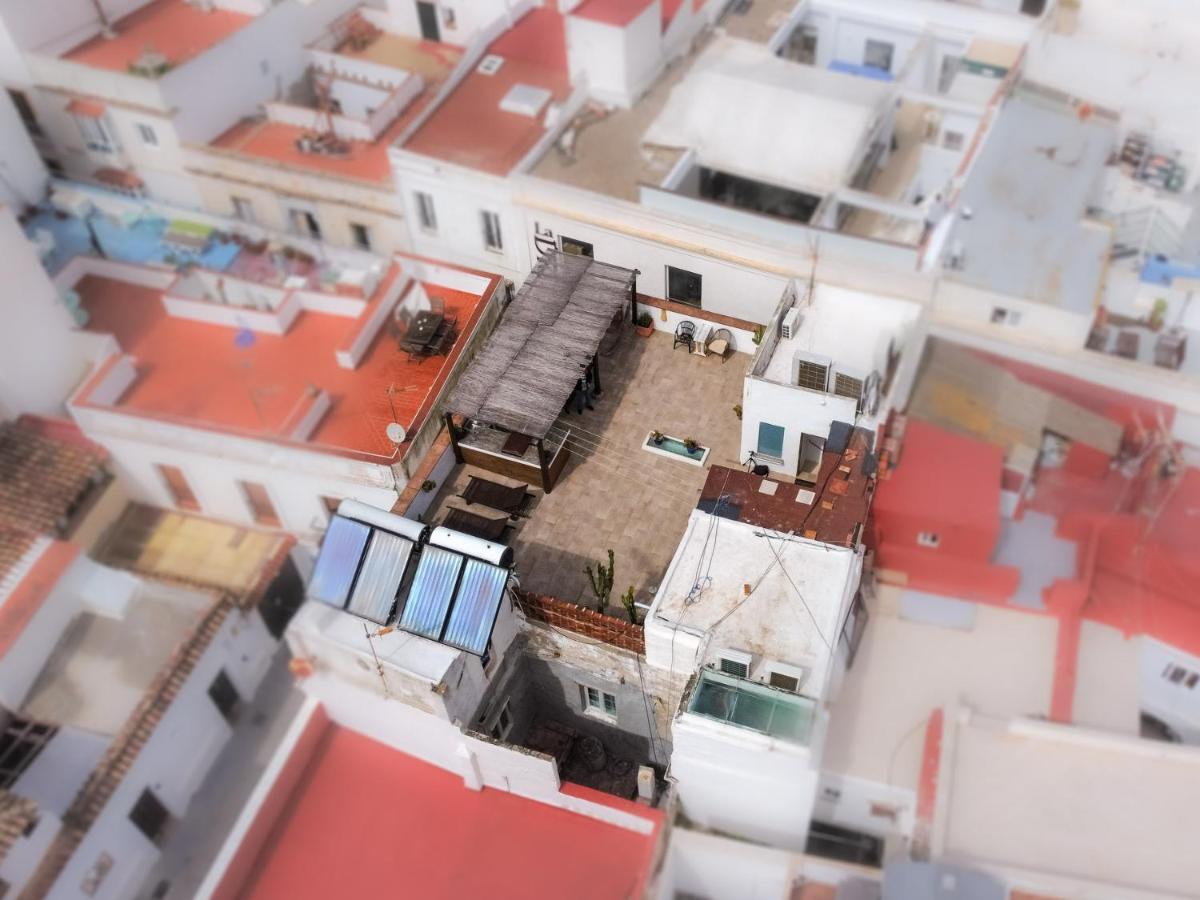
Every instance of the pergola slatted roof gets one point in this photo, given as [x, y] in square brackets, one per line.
[548, 335]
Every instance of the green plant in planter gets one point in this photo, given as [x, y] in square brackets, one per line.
[428, 485]
[757, 337]
[645, 320]
[601, 579]
[630, 608]
[737, 410]
[656, 436]
[691, 445]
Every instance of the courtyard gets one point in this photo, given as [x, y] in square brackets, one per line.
[613, 494]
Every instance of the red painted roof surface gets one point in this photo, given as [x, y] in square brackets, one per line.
[368, 821]
[193, 373]
[19, 608]
[365, 160]
[616, 12]
[276, 142]
[469, 129]
[944, 478]
[177, 30]
[669, 8]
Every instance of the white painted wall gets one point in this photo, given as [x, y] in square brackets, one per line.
[214, 463]
[460, 21]
[969, 307]
[619, 62]
[798, 410]
[741, 782]
[42, 357]
[173, 761]
[23, 175]
[460, 197]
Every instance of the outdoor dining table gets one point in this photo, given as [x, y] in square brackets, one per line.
[424, 329]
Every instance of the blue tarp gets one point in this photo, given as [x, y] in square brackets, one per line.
[849, 68]
[1163, 271]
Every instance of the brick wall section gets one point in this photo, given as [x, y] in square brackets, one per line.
[428, 462]
[585, 622]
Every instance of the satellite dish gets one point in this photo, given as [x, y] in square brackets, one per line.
[396, 433]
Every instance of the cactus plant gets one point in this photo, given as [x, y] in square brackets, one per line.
[627, 602]
[601, 580]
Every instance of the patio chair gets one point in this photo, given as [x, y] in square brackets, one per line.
[478, 526]
[685, 333]
[494, 495]
[721, 343]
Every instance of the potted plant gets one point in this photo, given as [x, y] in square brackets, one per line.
[645, 324]
[691, 445]
[737, 410]
[657, 437]
[757, 337]
[428, 485]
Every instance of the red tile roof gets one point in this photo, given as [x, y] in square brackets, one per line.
[177, 30]
[469, 129]
[45, 480]
[254, 390]
[367, 820]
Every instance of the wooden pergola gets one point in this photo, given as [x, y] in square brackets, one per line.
[545, 343]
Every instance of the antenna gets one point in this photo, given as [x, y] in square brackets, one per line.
[378, 665]
[395, 431]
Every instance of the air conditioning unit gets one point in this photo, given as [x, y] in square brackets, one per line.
[734, 662]
[847, 385]
[811, 371]
[790, 323]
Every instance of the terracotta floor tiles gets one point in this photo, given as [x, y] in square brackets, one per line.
[613, 493]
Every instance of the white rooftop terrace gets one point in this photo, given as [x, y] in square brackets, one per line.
[1068, 811]
[734, 586]
[920, 652]
[1027, 194]
[745, 111]
[106, 659]
[853, 328]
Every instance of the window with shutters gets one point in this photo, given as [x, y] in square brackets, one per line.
[178, 488]
[261, 508]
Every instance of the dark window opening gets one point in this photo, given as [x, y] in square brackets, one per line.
[281, 599]
[361, 235]
[844, 844]
[853, 628]
[224, 694]
[20, 743]
[25, 109]
[577, 248]
[150, 816]
[756, 196]
[683, 286]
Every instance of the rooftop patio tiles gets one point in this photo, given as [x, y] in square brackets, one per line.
[613, 494]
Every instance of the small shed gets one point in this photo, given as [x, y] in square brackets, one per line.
[546, 342]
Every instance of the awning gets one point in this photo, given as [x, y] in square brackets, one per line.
[89, 109]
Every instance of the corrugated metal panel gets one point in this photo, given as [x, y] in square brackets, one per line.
[341, 551]
[431, 592]
[475, 607]
[377, 584]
